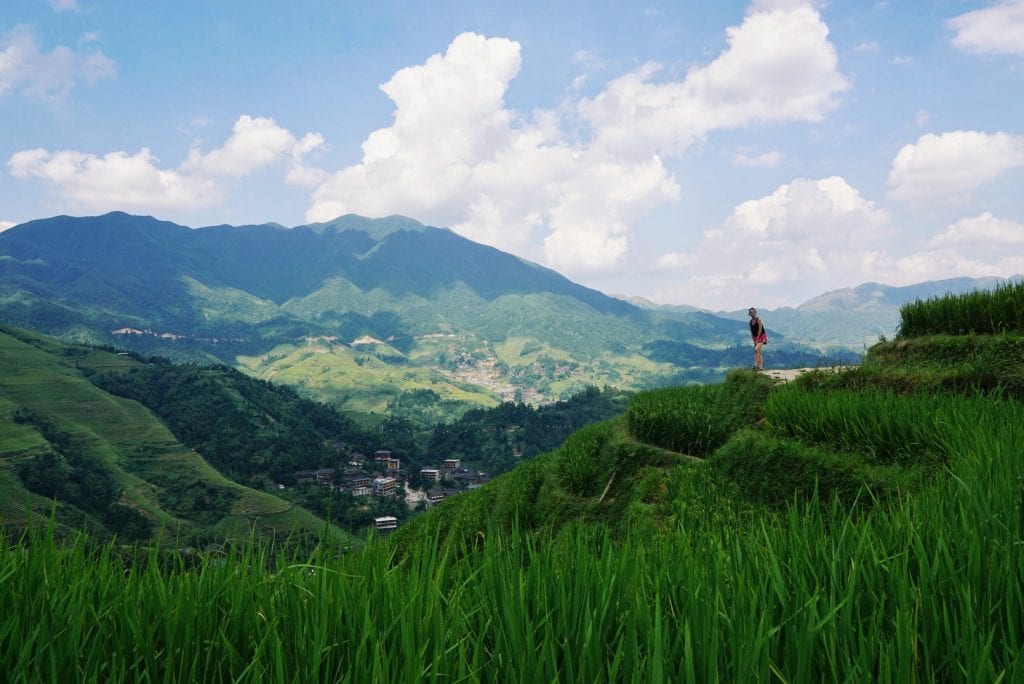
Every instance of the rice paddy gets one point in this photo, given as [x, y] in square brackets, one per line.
[758, 563]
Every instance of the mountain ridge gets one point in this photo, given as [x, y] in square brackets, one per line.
[250, 295]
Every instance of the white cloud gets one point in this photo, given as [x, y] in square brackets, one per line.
[136, 182]
[868, 46]
[984, 231]
[765, 159]
[951, 164]
[808, 232]
[455, 156]
[779, 66]
[47, 76]
[580, 177]
[115, 180]
[254, 143]
[901, 60]
[975, 246]
[4, 225]
[998, 29]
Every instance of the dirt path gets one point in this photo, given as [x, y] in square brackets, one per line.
[788, 374]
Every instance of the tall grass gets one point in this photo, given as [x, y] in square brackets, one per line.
[981, 312]
[697, 419]
[931, 590]
[890, 428]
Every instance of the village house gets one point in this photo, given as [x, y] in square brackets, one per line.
[393, 465]
[305, 476]
[358, 485]
[381, 455]
[385, 486]
[357, 460]
[449, 466]
[385, 524]
[436, 496]
[430, 474]
[324, 476]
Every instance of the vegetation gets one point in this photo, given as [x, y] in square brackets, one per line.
[89, 460]
[496, 439]
[979, 312]
[835, 533]
[697, 419]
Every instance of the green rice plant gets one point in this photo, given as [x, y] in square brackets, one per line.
[696, 419]
[890, 428]
[776, 470]
[582, 466]
[981, 312]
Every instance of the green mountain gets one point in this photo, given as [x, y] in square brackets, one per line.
[355, 310]
[99, 462]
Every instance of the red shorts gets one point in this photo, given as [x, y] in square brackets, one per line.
[762, 339]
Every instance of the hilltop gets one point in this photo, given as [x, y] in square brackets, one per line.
[356, 311]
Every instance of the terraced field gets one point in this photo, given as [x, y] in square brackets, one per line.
[168, 484]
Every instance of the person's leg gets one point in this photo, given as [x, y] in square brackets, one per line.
[758, 358]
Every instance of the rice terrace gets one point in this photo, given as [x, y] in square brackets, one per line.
[532, 342]
[864, 525]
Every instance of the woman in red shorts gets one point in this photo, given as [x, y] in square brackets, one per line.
[759, 336]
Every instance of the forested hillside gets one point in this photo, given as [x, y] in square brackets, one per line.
[87, 460]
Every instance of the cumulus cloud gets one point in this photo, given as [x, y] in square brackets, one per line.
[974, 246]
[779, 66]
[951, 164]
[456, 156]
[982, 232]
[47, 76]
[576, 179]
[998, 29]
[119, 180]
[812, 232]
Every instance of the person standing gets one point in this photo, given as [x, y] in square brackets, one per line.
[759, 336]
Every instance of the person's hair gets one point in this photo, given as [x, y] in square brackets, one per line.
[752, 310]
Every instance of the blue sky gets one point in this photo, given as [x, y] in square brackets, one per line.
[716, 154]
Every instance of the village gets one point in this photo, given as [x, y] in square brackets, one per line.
[384, 476]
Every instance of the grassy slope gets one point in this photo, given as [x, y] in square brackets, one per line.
[754, 449]
[832, 531]
[42, 376]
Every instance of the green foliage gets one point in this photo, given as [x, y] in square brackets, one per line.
[241, 425]
[499, 438]
[583, 462]
[913, 430]
[697, 420]
[776, 470]
[750, 566]
[109, 464]
[989, 312]
[943, 363]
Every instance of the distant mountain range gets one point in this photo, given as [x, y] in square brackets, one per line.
[853, 317]
[360, 310]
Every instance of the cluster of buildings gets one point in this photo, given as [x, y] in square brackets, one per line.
[439, 482]
[354, 479]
